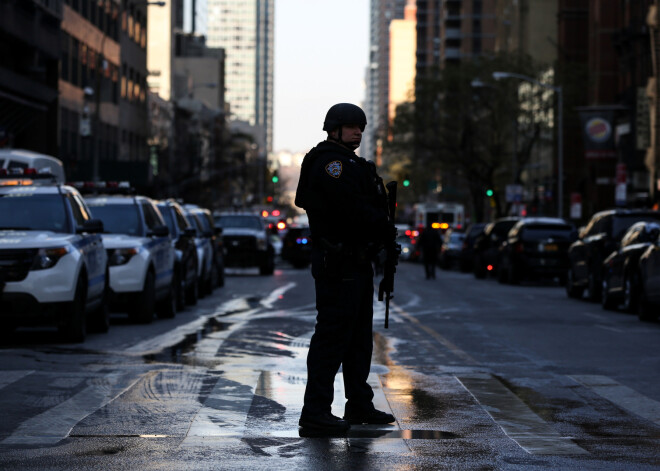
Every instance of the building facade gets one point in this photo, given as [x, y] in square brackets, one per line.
[30, 51]
[103, 92]
[245, 30]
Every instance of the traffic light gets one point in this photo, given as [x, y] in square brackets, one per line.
[406, 182]
[275, 179]
[489, 192]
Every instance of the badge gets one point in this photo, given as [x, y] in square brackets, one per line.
[334, 169]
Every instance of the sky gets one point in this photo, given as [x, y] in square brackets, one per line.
[321, 55]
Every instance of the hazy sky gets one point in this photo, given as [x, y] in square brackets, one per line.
[321, 55]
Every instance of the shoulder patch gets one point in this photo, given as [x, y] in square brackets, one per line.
[334, 169]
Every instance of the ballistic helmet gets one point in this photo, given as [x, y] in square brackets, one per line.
[342, 114]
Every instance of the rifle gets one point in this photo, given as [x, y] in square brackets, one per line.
[392, 250]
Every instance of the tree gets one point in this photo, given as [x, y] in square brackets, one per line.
[469, 138]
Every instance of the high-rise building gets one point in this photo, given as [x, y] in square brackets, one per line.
[381, 13]
[245, 30]
[403, 41]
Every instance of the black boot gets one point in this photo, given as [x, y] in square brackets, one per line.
[323, 422]
[367, 416]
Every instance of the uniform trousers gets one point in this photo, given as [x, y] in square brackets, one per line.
[343, 336]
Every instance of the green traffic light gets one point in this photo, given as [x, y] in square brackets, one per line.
[406, 183]
[275, 179]
[489, 192]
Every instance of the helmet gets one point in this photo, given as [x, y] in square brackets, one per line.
[344, 113]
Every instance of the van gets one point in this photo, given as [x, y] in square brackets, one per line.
[21, 158]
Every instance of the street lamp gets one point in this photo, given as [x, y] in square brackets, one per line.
[560, 132]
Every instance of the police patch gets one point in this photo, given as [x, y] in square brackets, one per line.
[334, 168]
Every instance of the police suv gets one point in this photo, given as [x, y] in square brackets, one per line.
[246, 241]
[52, 261]
[140, 254]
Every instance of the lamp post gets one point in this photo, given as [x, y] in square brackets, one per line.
[560, 131]
[100, 68]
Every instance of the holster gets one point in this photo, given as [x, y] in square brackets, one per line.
[338, 261]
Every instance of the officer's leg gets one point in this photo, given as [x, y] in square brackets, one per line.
[357, 359]
[327, 346]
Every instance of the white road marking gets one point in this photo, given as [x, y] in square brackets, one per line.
[516, 419]
[268, 301]
[11, 376]
[622, 396]
[56, 423]
[225, 410]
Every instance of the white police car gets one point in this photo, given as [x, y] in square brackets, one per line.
[52, 261]
[140, 256]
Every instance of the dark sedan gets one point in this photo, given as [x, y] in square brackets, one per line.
[621, 268]
[599, 238]
[648, 296]
[450, 251]
[467, 249]
[536, 248]
[487, 245]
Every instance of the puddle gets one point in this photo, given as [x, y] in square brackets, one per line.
[373, 433]
[177, 353]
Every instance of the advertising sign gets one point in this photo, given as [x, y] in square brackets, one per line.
[598, 133]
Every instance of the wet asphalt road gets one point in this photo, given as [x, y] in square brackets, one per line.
[478, 375]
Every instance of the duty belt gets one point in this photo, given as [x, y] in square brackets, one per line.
[357, 253]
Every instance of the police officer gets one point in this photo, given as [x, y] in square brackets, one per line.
[342, 195]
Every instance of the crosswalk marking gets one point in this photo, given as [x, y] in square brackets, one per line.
[622, 396]
[11, 376]
[226, 408]
[516, 419]
[55, 424]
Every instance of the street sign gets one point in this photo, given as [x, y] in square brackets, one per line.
[513, 193]
[85, 129]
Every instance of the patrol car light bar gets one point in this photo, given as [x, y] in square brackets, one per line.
[122, 188]
[25, 176]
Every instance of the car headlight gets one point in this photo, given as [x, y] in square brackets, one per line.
[122, 256]
[47, 258]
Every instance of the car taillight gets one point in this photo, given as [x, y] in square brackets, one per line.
[489, 267]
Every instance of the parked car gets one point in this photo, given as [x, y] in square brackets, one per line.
[246, 241]
[297, 246]
[53, 266]
[621, 268]
[450, 251]
[215, 235]
[648, 290]
[140, 256]
[409, 250]
[183, 239]
[536, 247]
[207, 277]
[466, 256]
[487, 245]
[599, 238]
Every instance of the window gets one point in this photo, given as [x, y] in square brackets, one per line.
[78, 216]
[151, 217]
